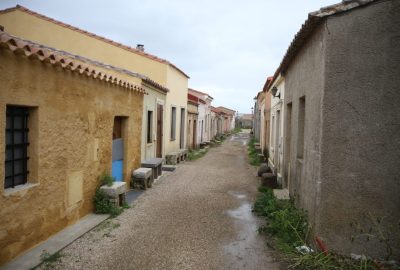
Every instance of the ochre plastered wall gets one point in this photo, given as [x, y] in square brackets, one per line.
[73, 123]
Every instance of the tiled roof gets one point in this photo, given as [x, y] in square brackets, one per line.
[109, 41]
[196, 92]
[306, 30]
[155, 84]
[267, 82]
[226, 110]
[62, 59]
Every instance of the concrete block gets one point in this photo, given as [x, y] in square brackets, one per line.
[281, 194]
[263, 169]
[172, 158]
[142, 173]
[115, 190]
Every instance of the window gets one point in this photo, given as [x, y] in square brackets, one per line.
[173, 123]
[149, 126]
[16, 160]
[300, 130]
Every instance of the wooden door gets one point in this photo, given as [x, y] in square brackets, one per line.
[160, 124]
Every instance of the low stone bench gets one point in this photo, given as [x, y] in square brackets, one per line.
[142, 177]
[116, 192]
[155, 164]
[173, 158]
[183, 154]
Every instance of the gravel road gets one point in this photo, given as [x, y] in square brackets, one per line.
[198, 217]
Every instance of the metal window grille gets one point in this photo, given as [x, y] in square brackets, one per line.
[16, 161]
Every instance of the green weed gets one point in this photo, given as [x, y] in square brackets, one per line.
[106, 179]
[50, 258]
[196, 154]
[253, 155]
[103, 205]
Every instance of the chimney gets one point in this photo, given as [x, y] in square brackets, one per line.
[140, 47]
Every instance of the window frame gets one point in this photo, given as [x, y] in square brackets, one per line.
[149, 127]
[14, 112]
[173, 123]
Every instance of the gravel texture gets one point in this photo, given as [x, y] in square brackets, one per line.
[198, 217]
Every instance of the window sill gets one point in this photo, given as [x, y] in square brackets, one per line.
[19, 190]
[149, 144]
[171, 140]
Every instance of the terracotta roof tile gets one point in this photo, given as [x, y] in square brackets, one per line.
[196, 92]
[56, 58]
[109, 41]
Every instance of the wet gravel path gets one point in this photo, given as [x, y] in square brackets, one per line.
[198, 217]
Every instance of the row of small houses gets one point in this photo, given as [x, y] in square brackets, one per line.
[328, 122]
[75, 105]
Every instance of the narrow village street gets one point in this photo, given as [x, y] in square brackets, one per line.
[198, 217]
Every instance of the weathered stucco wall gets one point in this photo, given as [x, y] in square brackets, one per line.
[277, 119]
[190, 129]
[304, 78]
[361, 133]
[267, 117]
[150, 102]
[72, 124]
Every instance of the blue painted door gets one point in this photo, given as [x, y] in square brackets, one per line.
[117, 167]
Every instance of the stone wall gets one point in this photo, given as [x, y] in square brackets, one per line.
[71, 127]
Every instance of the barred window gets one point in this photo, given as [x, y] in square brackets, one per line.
[16, 160]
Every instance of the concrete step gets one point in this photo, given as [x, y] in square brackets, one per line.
[168, 168]
[281, 194]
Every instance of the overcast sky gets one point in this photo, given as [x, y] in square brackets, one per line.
[227, 47]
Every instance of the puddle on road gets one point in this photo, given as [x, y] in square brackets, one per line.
[247, 250]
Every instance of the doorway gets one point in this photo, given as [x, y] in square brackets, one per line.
[117, 167]
[160, 113]
[182, 130]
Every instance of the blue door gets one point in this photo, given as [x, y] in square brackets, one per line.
[117, 167]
